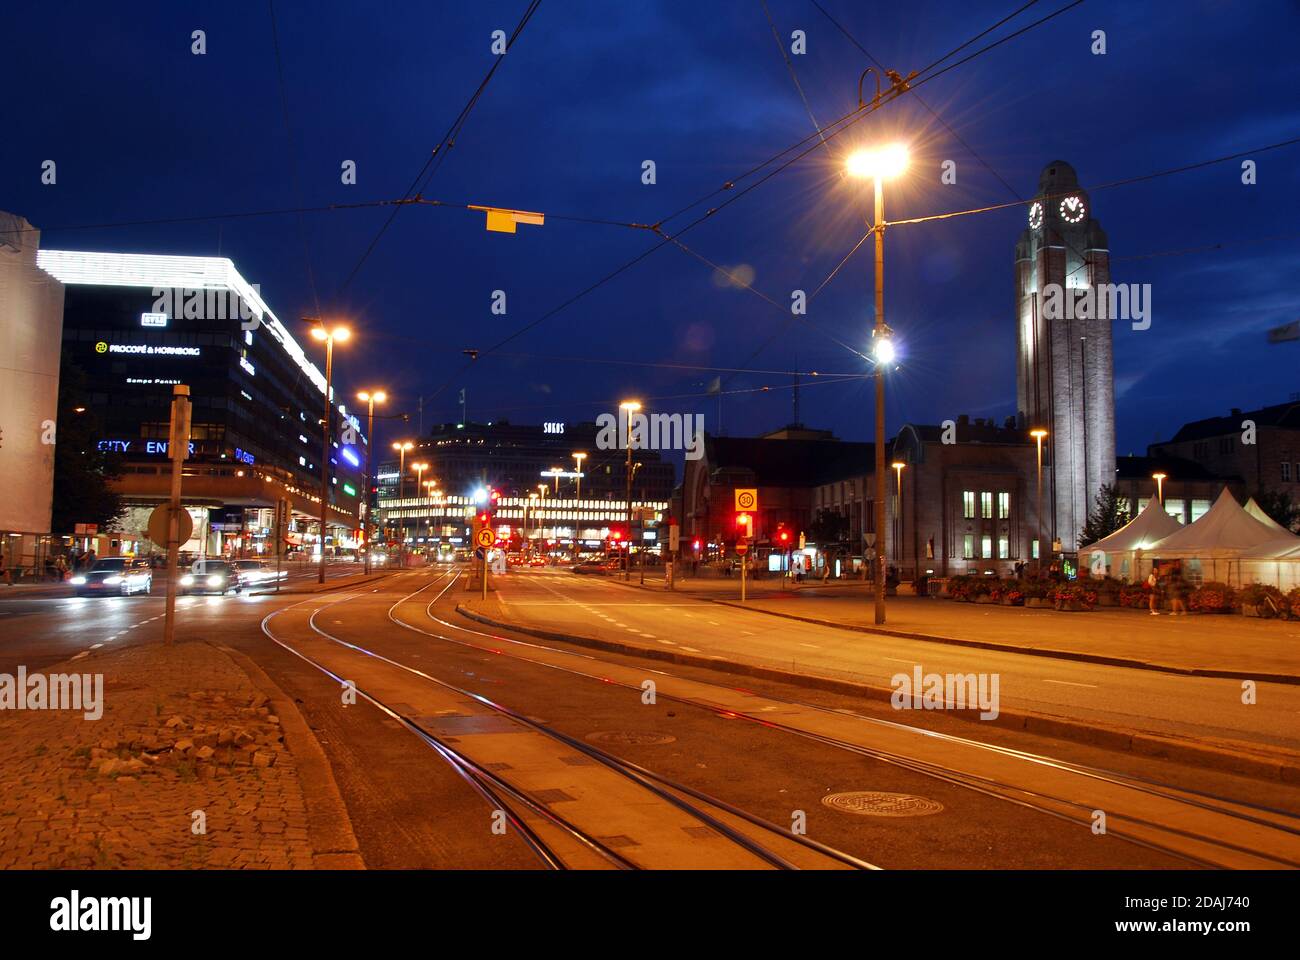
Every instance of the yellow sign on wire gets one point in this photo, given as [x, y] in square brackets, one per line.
[502, 220]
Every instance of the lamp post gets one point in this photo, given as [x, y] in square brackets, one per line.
[898, 508]
[341, 334]
[418, 469]
[629, 407]
[880, 165]
[1160, 479]
[532, 498]
[401, 447]
[577, 510]
[370, 398]
[1038, 434]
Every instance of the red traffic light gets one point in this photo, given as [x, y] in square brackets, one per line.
[484, 517]
[697, 544]
[785, 536]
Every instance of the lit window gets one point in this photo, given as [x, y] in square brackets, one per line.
[1004, 505]
[1004, 548]
[1176, 508]
[968, 505]
[1033, 549]
[986, 506]
[1199, 509]
[986, 547]
[968, 545]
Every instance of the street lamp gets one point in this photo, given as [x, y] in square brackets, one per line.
[577, 510]
[342, 335]
[884, 163]
[401, 447]
[1038, 433]
[532, 498]
[370, 398]
[631, 407]
[1160, 479]
[898, 466]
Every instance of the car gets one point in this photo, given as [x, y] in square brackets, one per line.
[253, 572]
[537, 561]
[598, 567]
[212, 576]
[122, 576]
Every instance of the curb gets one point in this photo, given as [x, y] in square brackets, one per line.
[1283, 769]
[334, 845]
[1206, 672]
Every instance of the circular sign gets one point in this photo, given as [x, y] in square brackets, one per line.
[485, 537]
[742, 548]
[160, 525]
[101, 347]
[745, 500]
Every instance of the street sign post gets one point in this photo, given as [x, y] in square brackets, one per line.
[742, 548]
[485, 538]
[746, 499]
[178, 449]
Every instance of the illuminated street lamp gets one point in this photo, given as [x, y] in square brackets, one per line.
[370, 398]
[532, 498]
[401, 447]
[630, 407]
[1038, 433]
[1160, 479]
[881, 164]
[342, 335]
[577, 510]
[898, 466]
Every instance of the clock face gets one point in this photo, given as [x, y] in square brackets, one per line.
[1035, 215]
[1072, 209]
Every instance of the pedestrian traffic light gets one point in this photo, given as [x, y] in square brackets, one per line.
[784, 537]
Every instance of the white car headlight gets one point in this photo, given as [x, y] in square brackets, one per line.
[109, 581]
[216, 580]
[77, 581]
[187, 580]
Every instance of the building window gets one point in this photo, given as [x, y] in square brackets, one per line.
[1199, 509]
[1004, 505]
[968, 546]
[986, 547]
[1286, 471]
[968, 506]
[1142, 503]
[1004, 548]
[986, 506]
[1176, 509]
[1033, 549]
[1225, 445]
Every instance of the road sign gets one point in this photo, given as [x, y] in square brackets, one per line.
[674, 537]
[485, 537]
[746, 498]
[803, 541]
[742, 548]
[479, 553]
[160, 525]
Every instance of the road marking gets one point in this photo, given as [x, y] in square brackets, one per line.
[812, 646]
[896, 660]
[95, 646]
[691, 649]
[1068, 683]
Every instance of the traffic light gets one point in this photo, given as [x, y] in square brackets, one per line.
[784, 536]
[697, 544]
[745, 524]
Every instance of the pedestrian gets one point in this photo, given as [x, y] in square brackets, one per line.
[1153, 586]
[1177, 593]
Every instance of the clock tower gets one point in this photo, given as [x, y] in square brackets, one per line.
[1065, 379]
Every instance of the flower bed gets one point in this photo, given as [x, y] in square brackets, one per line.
[1074, 596]
[1262, 600]
[1211, 597]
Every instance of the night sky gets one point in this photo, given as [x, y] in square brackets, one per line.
[141, 129]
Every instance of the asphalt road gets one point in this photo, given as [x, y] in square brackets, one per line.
[1193, 707]
[401, 638]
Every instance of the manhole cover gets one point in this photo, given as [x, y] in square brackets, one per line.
[630, 738]
[872, 803]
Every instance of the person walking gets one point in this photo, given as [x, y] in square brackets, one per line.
[1177, 593]
[1153, 585]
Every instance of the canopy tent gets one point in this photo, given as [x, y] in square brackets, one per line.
[1274, 561]
[1117, 554]
[1256, 511]
[1213, 544]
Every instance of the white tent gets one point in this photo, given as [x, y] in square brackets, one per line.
[1118, 553]
[1256, 511]
[1212, 544]
[1274, 561]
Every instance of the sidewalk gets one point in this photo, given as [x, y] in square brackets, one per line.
[186, 768]
[1210, 645]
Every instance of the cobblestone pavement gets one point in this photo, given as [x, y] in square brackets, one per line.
[187, 768]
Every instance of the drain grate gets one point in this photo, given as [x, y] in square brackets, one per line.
[630, 738]
[874, 803]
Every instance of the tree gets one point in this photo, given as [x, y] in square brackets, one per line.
[1109, 513]
[83, 473]
[1279, 505]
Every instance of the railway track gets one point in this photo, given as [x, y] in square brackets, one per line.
[1198, 827]
[673, 825]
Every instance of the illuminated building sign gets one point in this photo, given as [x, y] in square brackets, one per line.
[351, 457]
[242, 455]
[147, 381]
[153, 319]
[248, 367]
[350, 490]
[552, 427]
[137, 446]
[148, 349]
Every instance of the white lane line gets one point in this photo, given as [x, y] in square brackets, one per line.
[1068, 683]
[691, 649]
[669, 643]
[83, 653]
[95, 646]
[896, 660]
[748, 633]
[713, 623]
[811, 646]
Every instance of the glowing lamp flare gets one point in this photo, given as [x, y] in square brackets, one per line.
[883, 163]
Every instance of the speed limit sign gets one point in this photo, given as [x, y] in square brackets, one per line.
[485, 537]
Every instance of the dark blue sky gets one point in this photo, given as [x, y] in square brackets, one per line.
[141, 128]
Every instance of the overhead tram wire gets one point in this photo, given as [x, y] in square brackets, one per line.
[842, 124]
[444, 145]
